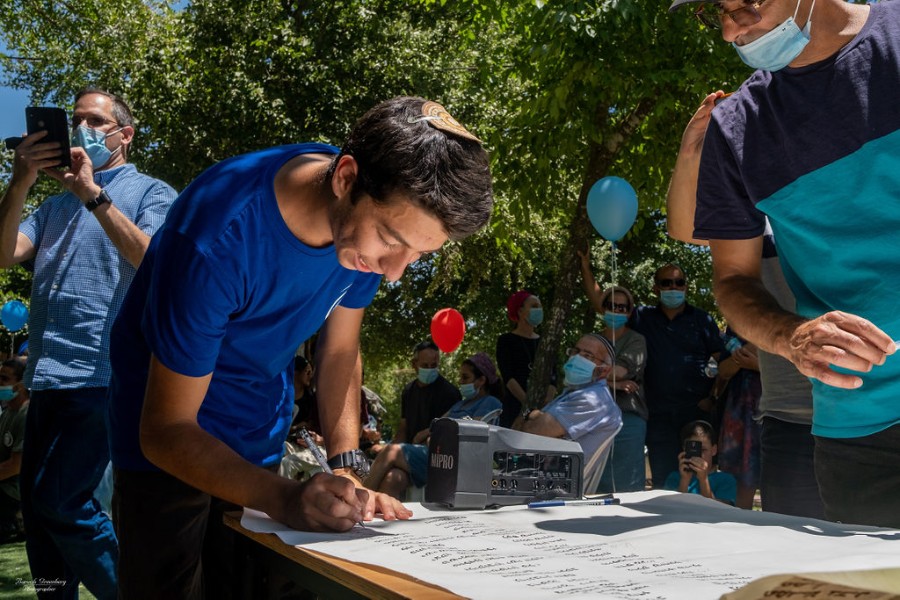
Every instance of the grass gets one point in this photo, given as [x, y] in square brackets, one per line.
[15, 575]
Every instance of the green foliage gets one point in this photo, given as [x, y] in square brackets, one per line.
[563, 92]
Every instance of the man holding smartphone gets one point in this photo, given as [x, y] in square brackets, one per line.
[85, 246]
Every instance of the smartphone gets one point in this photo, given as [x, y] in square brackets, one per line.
[693, 448]
[56, 123]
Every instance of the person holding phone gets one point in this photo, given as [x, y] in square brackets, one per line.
[697, 474]
[85, 245]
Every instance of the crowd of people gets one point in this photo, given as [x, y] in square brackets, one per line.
[162, 329]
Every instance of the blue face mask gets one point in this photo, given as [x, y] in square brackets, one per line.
[7, 393]
[94, 143]
[671, 298]
[578, 370]
[776, 49]
[614, 320]
[535, 316]
[427, 376]
[468, 391]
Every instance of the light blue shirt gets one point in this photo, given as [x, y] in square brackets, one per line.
[80, 279]
[590, 417]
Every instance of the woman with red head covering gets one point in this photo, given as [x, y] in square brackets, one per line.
[516, 351]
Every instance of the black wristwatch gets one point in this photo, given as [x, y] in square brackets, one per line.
[352, 459]
[103, 198]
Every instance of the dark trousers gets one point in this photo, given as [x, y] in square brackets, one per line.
[68, 537]
[172, 542]
[859, 478]
[664, 440]
[788, 477]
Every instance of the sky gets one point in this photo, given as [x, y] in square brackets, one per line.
[12, 109]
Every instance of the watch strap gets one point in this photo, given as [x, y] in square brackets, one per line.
[102, 198]
[352, 459]
[344, 460]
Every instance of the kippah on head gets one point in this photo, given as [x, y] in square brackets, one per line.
[484, 364]
[514, 304]
[610, 349]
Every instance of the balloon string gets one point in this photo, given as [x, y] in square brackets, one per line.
[612, 301]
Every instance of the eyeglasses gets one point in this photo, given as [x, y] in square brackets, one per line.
[711, 15]
[585, 353]
[92, 121]
[668, 283]
[616, 307]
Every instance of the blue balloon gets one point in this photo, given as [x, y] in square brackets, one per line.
[14, 315]
[612, 207]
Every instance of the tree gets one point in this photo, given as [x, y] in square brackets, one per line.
[562, 93]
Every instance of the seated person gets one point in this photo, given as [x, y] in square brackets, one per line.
[14, 402]
[698, 474]
[398, 463]
[585, 411]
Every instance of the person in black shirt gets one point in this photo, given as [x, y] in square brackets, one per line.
[516, 351]
[427, 397]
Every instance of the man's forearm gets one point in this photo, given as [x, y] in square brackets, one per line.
[338, 395]
[11, 207]
[755, 314]
[128, 238]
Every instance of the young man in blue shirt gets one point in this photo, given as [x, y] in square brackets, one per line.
[260, 252]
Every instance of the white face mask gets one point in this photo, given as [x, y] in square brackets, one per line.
[778, 48]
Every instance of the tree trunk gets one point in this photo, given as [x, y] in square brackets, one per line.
[600, 157]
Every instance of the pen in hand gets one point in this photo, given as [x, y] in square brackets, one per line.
[320, 458]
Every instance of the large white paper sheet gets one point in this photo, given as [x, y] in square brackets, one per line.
[655, 545]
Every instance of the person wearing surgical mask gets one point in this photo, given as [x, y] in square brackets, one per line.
[516, 351]
[809, 143]
[85, 244]
[14, 402]
[681, 339]
[426, 397]
[585, 411]
[400, 465]
[625, 471]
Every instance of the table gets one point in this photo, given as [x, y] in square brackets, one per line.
[262, 561]
[659, 545]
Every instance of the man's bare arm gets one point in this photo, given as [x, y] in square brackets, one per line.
[813, 345]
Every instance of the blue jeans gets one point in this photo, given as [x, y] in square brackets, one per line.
[68, 538]
[787, 483]
[625, 471]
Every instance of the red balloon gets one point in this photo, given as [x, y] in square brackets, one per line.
[448, 329]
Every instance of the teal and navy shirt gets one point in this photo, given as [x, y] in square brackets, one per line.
[816, 149]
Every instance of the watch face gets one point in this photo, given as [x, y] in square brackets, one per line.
[360, 463]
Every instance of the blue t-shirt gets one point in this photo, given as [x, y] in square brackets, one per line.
[677, 353]
[722, 485]
[226, 288]
[475, 409]
[817, 150]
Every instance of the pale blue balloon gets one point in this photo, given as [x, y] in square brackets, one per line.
[14, 315]
[612, 207]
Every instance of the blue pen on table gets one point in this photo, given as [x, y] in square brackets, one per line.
[320, 458]
[586, 501]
